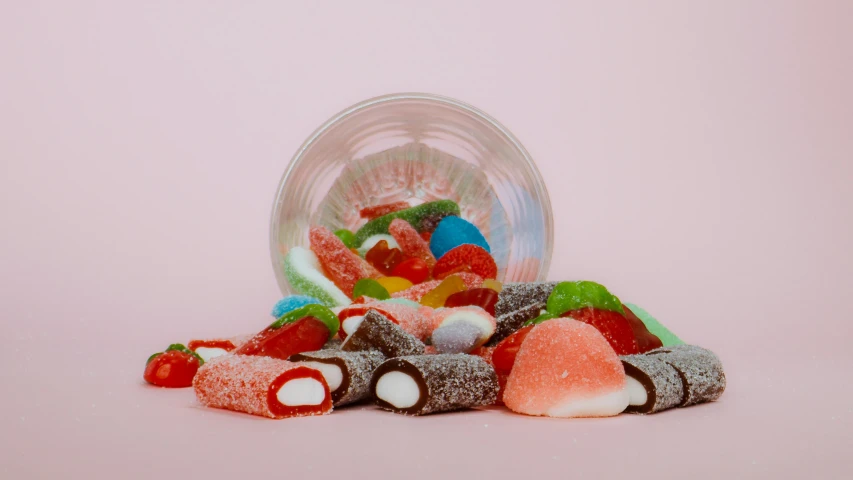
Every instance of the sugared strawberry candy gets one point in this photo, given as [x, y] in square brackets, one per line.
[173, 368]
[485, 298]
[466, 258]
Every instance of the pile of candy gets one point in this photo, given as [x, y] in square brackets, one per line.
[407, 312]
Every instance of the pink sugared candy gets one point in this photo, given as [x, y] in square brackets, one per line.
[343, 267]
[417, 292]
[410, 241]
[415, 320]
[566, 368]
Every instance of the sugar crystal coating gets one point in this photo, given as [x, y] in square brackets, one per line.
[292, 302]
[417, 292]
[452, 232]
[357, 369]
[410, 241]
[420, 217]
[459, 337]
[700, 370]
[343, 267]
[376, 332]
[515, 296]
[305, 274]
[417, 321]
[663, 384]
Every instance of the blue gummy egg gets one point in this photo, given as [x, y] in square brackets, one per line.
[291, 303]
[452, 232]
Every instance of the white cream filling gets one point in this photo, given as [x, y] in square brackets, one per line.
[331, 372]
[372, 240]
[604, 405]
[307, 265]
[399, 389]
[486, 327]
[350, 324]
[637, 394]
[206, 353]
[301, 391]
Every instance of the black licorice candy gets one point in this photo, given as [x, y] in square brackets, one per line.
[376, 332]
[348, 374]
[653, 385]
[518, 303]
[700, 370]
[423, 384]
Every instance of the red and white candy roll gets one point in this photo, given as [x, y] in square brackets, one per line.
[214, 347]
[415, 321]
[263, 386]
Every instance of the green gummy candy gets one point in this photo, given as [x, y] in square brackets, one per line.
[369, 287]
[181, 348]
[320, 312]
[568, 296]
[346, 236]
[655, 327]
[303, 272]
[414, 215]
[541, 318]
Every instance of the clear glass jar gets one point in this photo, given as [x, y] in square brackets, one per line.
[417, 147]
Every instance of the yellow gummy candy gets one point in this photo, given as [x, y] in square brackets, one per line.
[394, 284]
[436, 297]
[493, 284]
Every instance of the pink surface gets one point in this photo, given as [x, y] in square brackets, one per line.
[698, 156]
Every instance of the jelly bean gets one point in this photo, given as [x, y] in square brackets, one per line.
[383, 258]
[437, 296]
[485, 298]
[394, 284]
[414, 269]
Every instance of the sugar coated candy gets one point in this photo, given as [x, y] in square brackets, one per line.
[346, 236]
[368, 287]
[417, 292]
[518, 303]
[375, 239]
[656, 328]
[304, 273]
[416, 216]
[568, 296]
[460, 337]
[379, 210]
[652, 384]
[485, 298]
[701, 371]
[466, 258]
[452, 232]
[377, 332]
[174, 368]
[566, 368]
[305, 329]
[411, 243]
[436, 297]
[394, 284]
[418, 385]
[342, 266]
[414, 320]
[214, 347]
[290, 303]
[471, 315]
[347, 373]
[262, 386]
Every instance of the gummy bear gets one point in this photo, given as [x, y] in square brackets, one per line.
[437, 296]
[413, 269]
[384, 258]
[485, 298]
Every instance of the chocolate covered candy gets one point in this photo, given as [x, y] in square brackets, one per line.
[418, 385]
[652, 384]
[348, 374]
[376, 332]
[700, 370]
[518, 303]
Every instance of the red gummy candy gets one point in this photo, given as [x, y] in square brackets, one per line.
[426, 236]
[613, 325]
[466, 258]
[503, 357]
[411, 243]
[343, 267]
[414, 270]
[173, 368]
[646, 340]
[379, 210]
[304, 335]
[485, 298]
[383, 258]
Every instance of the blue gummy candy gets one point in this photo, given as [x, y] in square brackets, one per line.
[292, 302]
[452, 232]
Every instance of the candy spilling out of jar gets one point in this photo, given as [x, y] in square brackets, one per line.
[407, 312]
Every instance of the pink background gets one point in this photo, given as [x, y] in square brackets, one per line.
[698, 156]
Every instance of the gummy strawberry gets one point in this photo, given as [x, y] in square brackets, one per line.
[343, 267]
[485, 298]
[612, 325]
[174, 368]
[378, 210]
[646, 340]
[383, 258]
[503, 357]
[304, 335]
[413, 269]
[466, 258]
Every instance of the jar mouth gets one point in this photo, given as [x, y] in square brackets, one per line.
[518, 152]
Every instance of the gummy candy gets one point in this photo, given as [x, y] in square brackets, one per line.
[292, 302]
[415, 320]
[394, 284]
[304, 335]
[173, 368]
[384, 258]
[411, 243]
[262, 386]
[614, 326]
[414, 215]
[544, 316]
[503, 357]
[379, 210]
[466, 258]
[413, 269]
[378, 332]
[304, 274]
[369, 287]
[493, 284]
[318, 312]
[566, 368]
[655, 328]
[459, 337]
[437, 296]
[485, 298]
[346, 236]
[418, 291]
[645, 340]
[207, 349]
[452, 232]
[372, 241]
[574, 295]
[342, 266]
